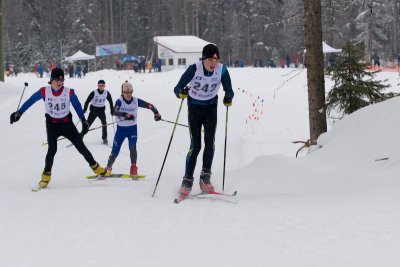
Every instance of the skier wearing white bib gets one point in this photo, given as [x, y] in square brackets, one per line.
[57, 100]
[126, 111]
[200, 84]
[97, 100]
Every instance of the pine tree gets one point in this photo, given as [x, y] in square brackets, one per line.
[354, 87]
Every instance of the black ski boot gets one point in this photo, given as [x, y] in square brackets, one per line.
[186, 186]
[205, 184]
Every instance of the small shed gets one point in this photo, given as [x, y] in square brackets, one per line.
[179, 51]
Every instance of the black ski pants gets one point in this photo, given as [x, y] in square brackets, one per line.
[199, 115]
[69, 131]
[97, 113]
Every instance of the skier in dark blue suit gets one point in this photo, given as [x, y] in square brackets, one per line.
[200, 84]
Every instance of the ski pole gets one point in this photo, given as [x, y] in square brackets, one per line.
[170, 140]
[23, 91]
[45, 143]
[226, 134]
[174, 123]
[202, 130]
[112, 119]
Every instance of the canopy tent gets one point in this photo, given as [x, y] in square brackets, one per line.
[79, 56]
[328, 49]
[130, 58]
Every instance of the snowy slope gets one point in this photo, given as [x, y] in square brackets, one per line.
[334, 207]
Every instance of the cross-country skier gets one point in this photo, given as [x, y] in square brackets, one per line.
[98, 98]
[204, 79]
[57, 100]
[126, 110]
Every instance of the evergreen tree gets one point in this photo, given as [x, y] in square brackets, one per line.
[354, 87]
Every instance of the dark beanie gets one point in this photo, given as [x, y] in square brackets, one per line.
[101, 82]
[210, 51]
[56, 73]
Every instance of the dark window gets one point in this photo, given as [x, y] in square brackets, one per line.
[181, 61]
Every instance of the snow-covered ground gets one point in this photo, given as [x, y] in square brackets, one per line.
[337, 206]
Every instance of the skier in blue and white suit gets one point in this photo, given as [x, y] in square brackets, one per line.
[125, 109]
[200, 84]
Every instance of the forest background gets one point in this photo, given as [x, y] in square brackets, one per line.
[247, 30]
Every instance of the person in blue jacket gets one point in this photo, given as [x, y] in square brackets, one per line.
[200, 84]
[57, 100]
[126, 112]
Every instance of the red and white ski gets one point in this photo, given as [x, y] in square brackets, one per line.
[183, 197]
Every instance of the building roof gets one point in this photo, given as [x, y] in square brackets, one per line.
[181, 44]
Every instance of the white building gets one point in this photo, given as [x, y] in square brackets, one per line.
[179, 51]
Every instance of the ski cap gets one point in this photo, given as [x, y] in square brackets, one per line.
[126, 87]
[210, 51]
[56, 74]
[101, 82]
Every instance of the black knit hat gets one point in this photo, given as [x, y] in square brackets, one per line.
[210, 51]
[56, 74]
[101, 82]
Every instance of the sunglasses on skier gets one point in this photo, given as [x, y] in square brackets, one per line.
[213, 60]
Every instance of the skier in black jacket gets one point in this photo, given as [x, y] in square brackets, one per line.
[97, 98]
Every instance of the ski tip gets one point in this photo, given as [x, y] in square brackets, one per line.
[36, 189]
[234, 193]
[382, 159]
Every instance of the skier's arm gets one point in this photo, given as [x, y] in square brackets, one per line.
[77, 105]
[116, 111]
[110, 101]
[32, 100]
[88, 100]
[227, 84]
[144, 104]
[186, 77]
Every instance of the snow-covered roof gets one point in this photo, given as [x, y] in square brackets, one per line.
[181, 44]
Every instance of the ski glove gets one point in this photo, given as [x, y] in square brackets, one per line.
[183, 93]
[15, 116]
[157, 116]
[85, 126]
[227, 101]
[128, 116]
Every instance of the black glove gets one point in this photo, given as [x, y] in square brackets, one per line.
[227, 101]
[15, 116]
[128, 116]
[183, 93]
[85, 126]
[157, 116]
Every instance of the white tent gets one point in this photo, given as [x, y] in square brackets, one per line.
[328, 49]
[79, 56]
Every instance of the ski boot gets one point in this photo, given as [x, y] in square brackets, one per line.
[108, 172]
[97, 169]
[186, 187]
[205, 184]
[46, 176]
[134, 169]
